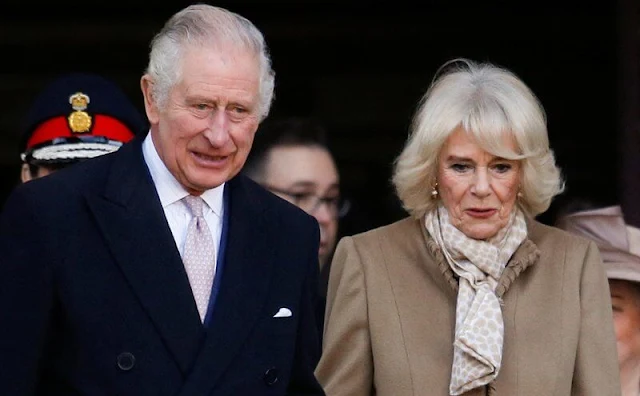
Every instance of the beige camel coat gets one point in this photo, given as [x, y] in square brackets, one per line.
[390, 317]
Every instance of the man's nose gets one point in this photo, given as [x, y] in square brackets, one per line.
[323, 213]
[217, 132]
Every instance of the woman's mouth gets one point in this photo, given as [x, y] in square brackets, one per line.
[481, 213]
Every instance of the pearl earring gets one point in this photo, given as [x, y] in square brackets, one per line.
[434, 191]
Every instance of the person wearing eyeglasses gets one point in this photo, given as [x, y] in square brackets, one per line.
[291, 158]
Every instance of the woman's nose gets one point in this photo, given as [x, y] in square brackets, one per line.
[481, 186]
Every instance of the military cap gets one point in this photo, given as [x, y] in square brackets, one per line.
[78, 116]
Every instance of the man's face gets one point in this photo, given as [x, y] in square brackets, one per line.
[204, 133]
[41, 171]
[305, 173]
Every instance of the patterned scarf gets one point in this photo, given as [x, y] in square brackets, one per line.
[477, 349]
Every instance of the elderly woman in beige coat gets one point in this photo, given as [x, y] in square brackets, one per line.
[470, 295]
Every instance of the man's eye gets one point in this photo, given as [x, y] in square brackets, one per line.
[333, 203]
[202, 106]
[331, 200]
[302, 197]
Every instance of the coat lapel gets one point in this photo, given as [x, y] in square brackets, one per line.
[133, 223]
[243, 290]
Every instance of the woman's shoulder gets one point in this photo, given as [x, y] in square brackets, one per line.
[402, 240]
[398, 230]
[550, 237]
[405, 235]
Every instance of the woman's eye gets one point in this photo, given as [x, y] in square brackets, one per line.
[202, 106]
[460, 167]
[502, 168]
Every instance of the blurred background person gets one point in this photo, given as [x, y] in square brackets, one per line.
[291, 158]
[470, 295]
[75, 117]
[619, 246]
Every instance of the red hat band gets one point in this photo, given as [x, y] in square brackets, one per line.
[58, 127]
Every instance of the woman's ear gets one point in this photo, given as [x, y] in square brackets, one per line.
[434, 189]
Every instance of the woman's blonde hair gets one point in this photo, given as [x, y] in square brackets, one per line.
[487, 102]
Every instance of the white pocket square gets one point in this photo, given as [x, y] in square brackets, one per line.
[283, 313]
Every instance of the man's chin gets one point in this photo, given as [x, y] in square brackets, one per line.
[203, 184]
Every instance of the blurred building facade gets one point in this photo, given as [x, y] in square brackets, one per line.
[361, 68]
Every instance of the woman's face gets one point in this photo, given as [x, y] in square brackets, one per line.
[625, 302]
[478, 189]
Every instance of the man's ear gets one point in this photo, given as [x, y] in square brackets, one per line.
[150, 107]
[25, 173]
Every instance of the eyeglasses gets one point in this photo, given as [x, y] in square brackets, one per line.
[337, 206]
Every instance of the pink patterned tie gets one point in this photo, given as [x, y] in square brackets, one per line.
[199, 255]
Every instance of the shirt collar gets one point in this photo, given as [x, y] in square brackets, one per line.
[169, 189]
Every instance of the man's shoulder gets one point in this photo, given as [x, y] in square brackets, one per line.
[64, 187]
[74, 178]
[271, 203]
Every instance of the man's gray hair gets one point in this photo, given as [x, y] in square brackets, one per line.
[206, 26]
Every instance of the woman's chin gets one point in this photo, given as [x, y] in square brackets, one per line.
[480, 231]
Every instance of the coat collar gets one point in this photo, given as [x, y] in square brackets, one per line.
[525, 256]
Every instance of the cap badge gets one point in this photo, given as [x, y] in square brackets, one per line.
[79, 120]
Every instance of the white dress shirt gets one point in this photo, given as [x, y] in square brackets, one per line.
[171, 193]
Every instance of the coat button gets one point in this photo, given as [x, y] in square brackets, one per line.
[126, 361]
[270, 376]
